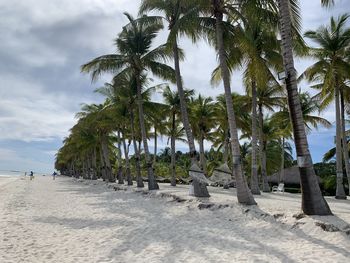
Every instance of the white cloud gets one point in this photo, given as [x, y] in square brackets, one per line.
[30, 113]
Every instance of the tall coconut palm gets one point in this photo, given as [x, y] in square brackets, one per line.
[172, 100]
[344, 99]
[179, 15]
[119, 105]
[218, 8]
[175, 132]
[260, 49]
[135, 56]
[155, 116]
[203, 120]
[330, 69]
[269, 97]
[313, 203]
[122, 96]
[104, 124]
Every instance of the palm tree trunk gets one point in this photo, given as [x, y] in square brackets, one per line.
[87, 167]
[94, 164]
[173, 161]
[105, 154]
[73, 170]
[226, 147]
[244, 194]
[139, 147]
[340, 193]
[200, 189]
[102, 165]
[152, 183]
[281, 179]
[139, 180]
[254, 183]
[344, 139]
[202, 154]
[84, 170]
[262, 152]
[120, 166]
[155, 146]
[127, 162]
[313, 202]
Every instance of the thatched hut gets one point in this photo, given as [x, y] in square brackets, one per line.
[291, 177]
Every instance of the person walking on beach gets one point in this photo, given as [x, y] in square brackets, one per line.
[31, 175]
[54, 175]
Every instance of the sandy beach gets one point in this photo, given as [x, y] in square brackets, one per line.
[78, 221]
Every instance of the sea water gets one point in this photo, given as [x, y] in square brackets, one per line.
[8, 173]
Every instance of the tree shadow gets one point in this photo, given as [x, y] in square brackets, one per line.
[301, 234]
[193, 236]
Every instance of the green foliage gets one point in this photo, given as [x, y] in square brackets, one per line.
[327, 172]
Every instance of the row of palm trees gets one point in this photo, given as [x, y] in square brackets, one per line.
[245, 35]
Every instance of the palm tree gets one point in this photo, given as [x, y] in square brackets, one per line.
[219, 27]
[344, 98]
[154, 116]
[331, 68]
[172, 100]
[179, 15]
[203, 120]
[268, 98]
[136, 57]
[222, 134]
[119, 103]
[313, 203]
[176, 132]
[103, 123]
[260, 50]
[310, 106]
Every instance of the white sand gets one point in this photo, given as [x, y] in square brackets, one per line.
[68, 221]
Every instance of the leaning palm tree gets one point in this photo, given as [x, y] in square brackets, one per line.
[136, 57]
[217, 29]
[313, 203]
[180, 14]
[331, 68]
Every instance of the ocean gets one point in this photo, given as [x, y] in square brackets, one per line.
[6, 173]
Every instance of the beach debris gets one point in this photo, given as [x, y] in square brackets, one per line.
[296, 224]
[278, 215]
[299, 216]
[327, 227]
[212, 206]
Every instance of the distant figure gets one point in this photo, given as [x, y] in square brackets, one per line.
[25, 174]
[31, 175]
[54, 175]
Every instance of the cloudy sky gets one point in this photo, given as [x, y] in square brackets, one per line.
[44, 42]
